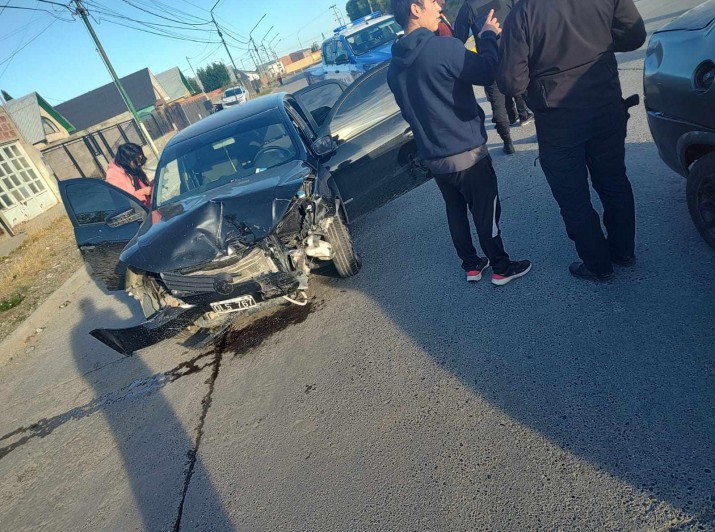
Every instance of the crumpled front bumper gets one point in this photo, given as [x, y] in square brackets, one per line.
[169, 321]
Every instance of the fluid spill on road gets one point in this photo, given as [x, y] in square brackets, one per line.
[137, 388]
[240, 341]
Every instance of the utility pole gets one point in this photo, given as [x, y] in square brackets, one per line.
[82, 12]
[198, 80]
[369, 3]
[220, 35]
[338, 15]
[252, 43]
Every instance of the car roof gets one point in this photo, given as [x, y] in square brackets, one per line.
[227, 116]
[362, 25]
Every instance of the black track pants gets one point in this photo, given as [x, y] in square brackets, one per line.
[574, 144]
[474, 189]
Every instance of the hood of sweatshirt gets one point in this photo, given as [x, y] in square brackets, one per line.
[408, 48]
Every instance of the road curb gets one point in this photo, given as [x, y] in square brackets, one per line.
[18, 339]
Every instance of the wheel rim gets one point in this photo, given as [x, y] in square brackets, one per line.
[706, 203]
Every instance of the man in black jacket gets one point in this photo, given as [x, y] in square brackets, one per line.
[432, 78]
[563, 56]
[469, 19]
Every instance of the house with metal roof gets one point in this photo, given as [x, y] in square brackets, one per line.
[105, 104]
[175, 84]
[38, 122]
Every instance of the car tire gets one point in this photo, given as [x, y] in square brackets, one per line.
[346, 260]
[700, 193]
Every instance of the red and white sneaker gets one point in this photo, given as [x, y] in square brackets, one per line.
[476, 274]
[515, 270]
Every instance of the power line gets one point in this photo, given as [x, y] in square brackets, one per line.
[166, 18]
[10, 58]
[103, 10]
[53, 13]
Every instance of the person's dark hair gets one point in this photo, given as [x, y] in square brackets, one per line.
[128, 153]
[402, 8]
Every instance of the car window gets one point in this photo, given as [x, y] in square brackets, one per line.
[368, 102]
[328, 53]
[320, 100]
[237, 154]
[373, 36]
[233, 92]
[94, 201]
[341, 53]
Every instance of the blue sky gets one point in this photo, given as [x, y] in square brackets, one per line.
[51, 52]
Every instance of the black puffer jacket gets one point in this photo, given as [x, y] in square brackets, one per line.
[562, 52]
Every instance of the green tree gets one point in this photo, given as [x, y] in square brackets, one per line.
[360, 8]
[314, 47]
[213, 76]
[194, 84]
[6, 96]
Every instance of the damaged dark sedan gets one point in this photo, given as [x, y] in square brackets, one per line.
[245, 204]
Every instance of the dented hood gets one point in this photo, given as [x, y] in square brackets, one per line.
[195, 230]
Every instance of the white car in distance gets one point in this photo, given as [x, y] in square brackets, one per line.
[234, 96]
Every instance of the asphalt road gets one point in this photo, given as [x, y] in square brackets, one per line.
[400, 399]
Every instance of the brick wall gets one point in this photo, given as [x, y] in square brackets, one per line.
[7, 128]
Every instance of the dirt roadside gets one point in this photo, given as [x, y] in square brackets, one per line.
[31, 273]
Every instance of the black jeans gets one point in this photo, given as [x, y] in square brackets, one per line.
[572, 145]
[474, 189]
[499, 115]
[516, 108]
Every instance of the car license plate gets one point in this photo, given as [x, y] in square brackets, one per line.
[234, 305]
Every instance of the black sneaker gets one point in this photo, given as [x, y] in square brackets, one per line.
[514, 123]
[509, 147]
[528, 120]
[627, 261]
[579, 269]
[475, 274]
[516, 269]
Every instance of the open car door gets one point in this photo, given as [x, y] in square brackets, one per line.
[319, 98]
[376, 157]
[105, 219]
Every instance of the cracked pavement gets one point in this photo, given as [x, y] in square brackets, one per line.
[401, 398]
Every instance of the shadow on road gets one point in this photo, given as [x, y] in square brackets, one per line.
[621, 375]
[158, 454]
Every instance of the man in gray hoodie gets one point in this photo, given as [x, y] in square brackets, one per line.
[432, 79]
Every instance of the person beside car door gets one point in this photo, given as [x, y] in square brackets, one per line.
[432, 80]
[563, 56]
[126, 172]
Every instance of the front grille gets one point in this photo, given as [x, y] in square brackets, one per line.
[253, 265]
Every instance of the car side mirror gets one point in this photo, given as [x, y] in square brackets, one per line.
[324, 146]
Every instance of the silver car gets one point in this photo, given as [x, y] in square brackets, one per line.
[679, 74]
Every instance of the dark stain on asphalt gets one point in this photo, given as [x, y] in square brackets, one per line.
[192, 453]
[241, 341]
[138, 388]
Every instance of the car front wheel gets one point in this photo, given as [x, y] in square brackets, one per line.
[700, 193]
[346, 260]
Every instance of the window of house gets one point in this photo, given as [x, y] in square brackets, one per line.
[18, 179]
[48, 126]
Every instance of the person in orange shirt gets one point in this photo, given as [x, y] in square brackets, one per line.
[126, 172]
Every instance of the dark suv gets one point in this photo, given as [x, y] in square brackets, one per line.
[679, 72]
